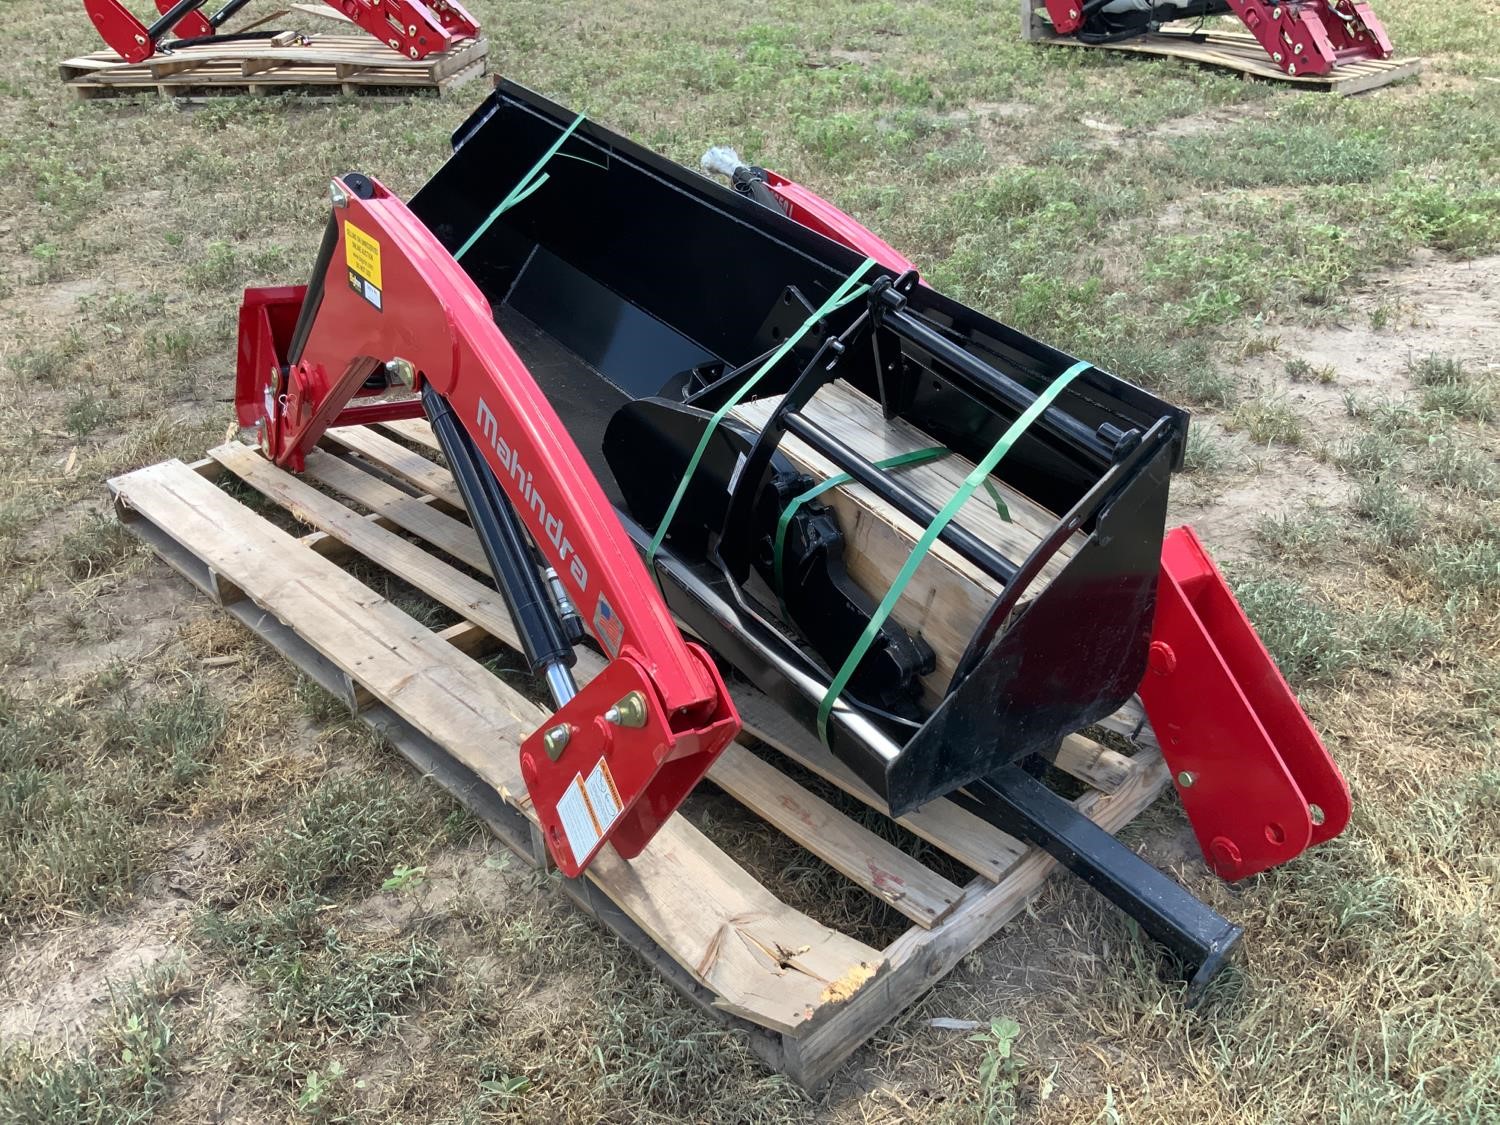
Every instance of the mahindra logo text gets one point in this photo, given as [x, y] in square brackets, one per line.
[556, 532]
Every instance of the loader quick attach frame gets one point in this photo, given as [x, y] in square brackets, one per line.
[639, 301]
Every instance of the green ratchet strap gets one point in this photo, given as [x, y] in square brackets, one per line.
[841, 296]
[532, 180]
[971, 482]
[915, 457]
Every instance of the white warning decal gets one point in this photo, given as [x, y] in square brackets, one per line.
[588, 809]
[603, 797]
[578, 820]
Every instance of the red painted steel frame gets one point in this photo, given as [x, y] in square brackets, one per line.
[400, 295]
[1246, 761]
[191, 26]
[816, 213]
[410, 27]
[120, 30]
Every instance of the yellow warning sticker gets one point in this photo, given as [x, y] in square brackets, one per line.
[363, 255]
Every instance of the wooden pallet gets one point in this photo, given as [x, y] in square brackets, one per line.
[1227, 50]
[807, 994]
[290, 61]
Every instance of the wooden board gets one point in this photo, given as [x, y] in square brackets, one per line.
[1227, 50]
[806, 994]
[948, 596]
[321, 64]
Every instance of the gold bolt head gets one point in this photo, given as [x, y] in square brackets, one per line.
[555, 741]
[628, 712]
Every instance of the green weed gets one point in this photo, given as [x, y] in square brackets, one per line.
[1449, 389]
[1300, 371]
[999, 1069]
[1309, 640]
[1395, 515]
[1304, 538]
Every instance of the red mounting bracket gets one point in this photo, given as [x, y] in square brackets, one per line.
[608, 766]
[1258, 786]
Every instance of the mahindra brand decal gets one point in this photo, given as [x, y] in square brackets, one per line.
[556, 531]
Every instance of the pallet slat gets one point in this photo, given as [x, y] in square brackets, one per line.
[416, 430]
[881, 868]
[473, 600]
[399, 461]
[920, 958]
[974, 842]
[412, 513]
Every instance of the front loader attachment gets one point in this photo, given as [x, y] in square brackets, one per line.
[660, 397]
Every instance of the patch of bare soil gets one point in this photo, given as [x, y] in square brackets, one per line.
[128, 624]
[57, 985]
[1432, 306]
[1208, 121]
[481, 872]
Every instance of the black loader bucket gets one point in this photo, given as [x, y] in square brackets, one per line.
[645, 298]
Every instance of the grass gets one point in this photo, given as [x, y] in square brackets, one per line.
[1447, 388]
[1267, 421]
[348, 833]
[119, 1078]
[151, 754]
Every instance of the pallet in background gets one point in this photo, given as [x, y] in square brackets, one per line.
[807, 994]
[313, 64]
[1227, 50]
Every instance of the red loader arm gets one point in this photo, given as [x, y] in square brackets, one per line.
[619, 757]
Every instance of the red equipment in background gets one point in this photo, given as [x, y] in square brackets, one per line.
[1307, 37]
[412, 28]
